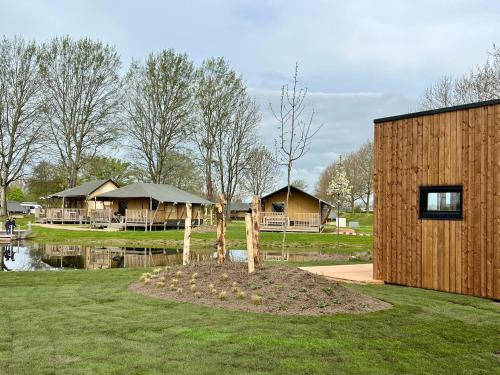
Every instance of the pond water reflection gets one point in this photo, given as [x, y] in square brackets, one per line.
[35, 256]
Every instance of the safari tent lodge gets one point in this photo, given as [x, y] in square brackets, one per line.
[148, 206]
[73, 205]
[306, 213]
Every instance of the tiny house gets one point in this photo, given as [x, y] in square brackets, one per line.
[437, 199]
[306, 213]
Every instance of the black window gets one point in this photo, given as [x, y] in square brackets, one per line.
[278, 206]
[441, 202]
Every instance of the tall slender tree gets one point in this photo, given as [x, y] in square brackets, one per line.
[218, 89]
[20, 104]
[296, 132]
[82, 86]
[159, 105]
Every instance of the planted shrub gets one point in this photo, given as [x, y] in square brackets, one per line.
[328, 291]
[213, 291]
[197, 294]
[225, 277]
[168, 268]
[210, 286]
[179, 290]
[178, 274]
[175, 281]
[160, 284]
[195, 275]
[223, 295]
[193, 288]
[234, 284]
[256, 299]
[193, 281]
[157, 270]
[234, 289]
[173, 287]
[162, 278]
[147, 281]
[241, 295]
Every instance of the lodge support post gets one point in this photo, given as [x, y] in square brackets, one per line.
[187, 234]
[221, 229]
[250, 242]
[256, 229]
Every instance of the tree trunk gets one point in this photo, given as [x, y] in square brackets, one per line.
[250, 244]
[256, 229]
[367, 205]
[221, 230]
[187, 235]
[3, 198]
[285, 224]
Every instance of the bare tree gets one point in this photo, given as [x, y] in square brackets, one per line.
[217, 91]
[159, 102]
[261, 171]
[234, 142]
[20, 103]
[295, 132]
[480, 83]
[365, 166]
[82, 86]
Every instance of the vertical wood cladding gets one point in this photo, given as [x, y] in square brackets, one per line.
[456, 147]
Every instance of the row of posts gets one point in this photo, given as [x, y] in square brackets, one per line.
[251, 228]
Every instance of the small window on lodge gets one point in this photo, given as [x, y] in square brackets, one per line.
[441, 202]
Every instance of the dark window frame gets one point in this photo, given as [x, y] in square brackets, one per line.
[425, 214]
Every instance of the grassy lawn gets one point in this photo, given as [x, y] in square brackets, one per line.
[86, 322]
[235, 238]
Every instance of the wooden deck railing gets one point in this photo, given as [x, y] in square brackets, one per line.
[278, 219]
[102, 216]
[66, 214]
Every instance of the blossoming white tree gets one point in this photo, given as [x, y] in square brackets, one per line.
[339, 190]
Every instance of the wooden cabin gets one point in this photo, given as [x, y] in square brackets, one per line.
[306, 213]
[148, 206]
[437, 199]
[74, 205]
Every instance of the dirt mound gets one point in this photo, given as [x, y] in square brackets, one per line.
[274, 289]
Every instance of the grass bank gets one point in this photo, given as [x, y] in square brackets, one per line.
[235, 238]
[87, 322]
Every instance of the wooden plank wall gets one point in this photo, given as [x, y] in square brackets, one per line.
[451, 148]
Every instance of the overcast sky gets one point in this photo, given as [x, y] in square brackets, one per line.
[360, 59]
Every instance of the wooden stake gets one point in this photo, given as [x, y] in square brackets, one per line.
[187, 234]
[250, 239]
[256, 228]
[221, 229]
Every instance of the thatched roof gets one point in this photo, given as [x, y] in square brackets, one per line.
[159, 192]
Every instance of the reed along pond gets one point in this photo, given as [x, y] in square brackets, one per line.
[36, 256]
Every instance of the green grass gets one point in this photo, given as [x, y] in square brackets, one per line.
[235, 238]
[86, 322]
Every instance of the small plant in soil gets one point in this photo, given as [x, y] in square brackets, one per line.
[178, 274]
[194, 276]
[154, 276]
[256, 299]
[223, 295]
[303, 289]
[160, 284]
[167, 268]
[322, 304]
[175, 281]
[241, 295]
[213, 291]
[210, 286]
[225, 277]
[147, 281]
[197, 294]
[234, 289]
[234, 284]
[254, 286]
[179, 290]
[162, 279]
[192, 281]
[328, 291]
[292, 295]
[173, 288]
[193, 288]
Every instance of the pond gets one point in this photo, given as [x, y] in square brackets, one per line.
[36, 256]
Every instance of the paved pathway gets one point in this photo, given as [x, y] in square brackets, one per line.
[354, 273]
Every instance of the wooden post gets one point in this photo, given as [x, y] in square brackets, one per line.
[221, 229]
[187, 234]
[250, 242]
[256, 228]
